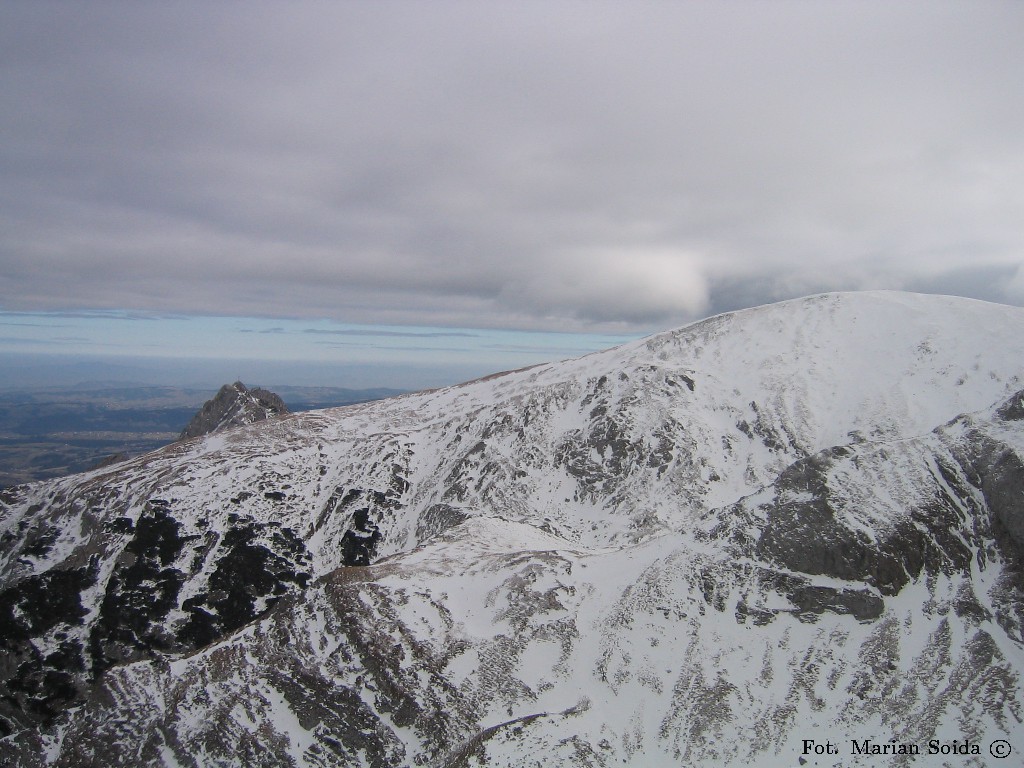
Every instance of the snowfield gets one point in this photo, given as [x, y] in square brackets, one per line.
[801, 522]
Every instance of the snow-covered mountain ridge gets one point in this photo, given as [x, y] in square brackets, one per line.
[798, 521]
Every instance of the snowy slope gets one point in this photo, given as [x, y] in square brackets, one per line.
[798, 521]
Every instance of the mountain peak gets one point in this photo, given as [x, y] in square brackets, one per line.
[710, 547]
[234, 405]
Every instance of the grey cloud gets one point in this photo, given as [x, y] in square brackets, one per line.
[431, 349]
[557, 166]
[982, 281]
[15, 340]
[398, 334]
[32, 325]
[544, 350]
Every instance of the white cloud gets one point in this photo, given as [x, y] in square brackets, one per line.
[1015, 285]
[607, 285]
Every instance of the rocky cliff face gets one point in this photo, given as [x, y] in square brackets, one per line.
[234, 406]
[804, 521]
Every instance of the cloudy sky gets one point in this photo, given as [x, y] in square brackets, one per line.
[538, 179]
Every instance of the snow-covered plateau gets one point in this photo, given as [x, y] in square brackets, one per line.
[776, 537]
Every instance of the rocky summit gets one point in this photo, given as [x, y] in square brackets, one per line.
[787, 535]
[233, 406]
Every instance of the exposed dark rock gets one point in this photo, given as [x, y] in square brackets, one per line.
[249, 578]
[1003, 486]
[860, 603]
[1013, 408]
[803, 533]
[360, 541]
[141, 592]
[34, 687]
[436, 519]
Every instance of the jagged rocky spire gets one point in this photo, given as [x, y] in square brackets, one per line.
[233, 406]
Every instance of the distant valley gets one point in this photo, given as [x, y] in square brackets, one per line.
[53, 431]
